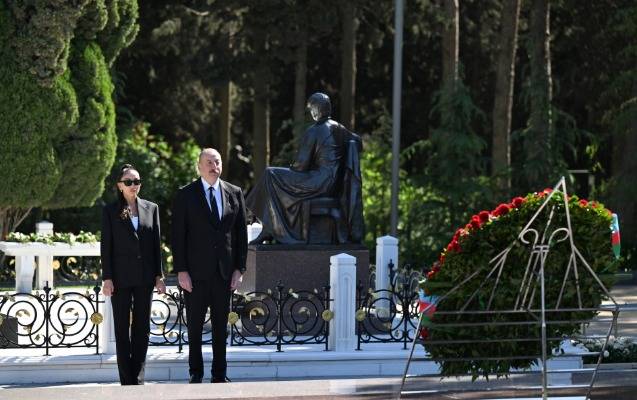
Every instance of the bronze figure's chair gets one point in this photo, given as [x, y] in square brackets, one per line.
[339, 218]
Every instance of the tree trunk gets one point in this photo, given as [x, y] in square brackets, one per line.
[261, 116]
[300, 86]
[450, 43]
[225, 115]
[539, 158]
[505, 76]
[349, 25]
[10, 219]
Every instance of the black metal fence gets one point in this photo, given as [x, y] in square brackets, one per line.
[280, 317]
[46, 319]
[386, 315]
[50, 319]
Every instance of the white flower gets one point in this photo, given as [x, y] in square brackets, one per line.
[606, 354]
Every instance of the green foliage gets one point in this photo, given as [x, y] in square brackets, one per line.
[93, 20]
[56, 109]
[42, 37]
[444, 183]
[89, 150]
[32, 120]
[447, 176]
[457, 147]
[473, 248]
[162, 168]
[56, 237]
[121, 27]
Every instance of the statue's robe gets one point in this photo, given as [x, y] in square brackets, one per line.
[279, 198]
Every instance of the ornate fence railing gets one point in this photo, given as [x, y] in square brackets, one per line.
[280, 317]
[47, 319]
[386, 315]
[54, 319]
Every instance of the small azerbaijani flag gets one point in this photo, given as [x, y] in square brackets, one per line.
[615, 239]
[427, 307]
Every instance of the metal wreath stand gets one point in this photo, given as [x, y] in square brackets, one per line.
[539, 247]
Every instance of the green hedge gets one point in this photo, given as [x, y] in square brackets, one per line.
[484, 237]
[57, 115]
[88, 152]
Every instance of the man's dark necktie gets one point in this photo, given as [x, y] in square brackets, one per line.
[213, 205]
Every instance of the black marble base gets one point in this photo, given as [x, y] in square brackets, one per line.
[8, 332]
[300, 267]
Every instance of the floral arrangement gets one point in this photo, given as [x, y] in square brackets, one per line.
[56, 237]
[620, 349]
[475, 245]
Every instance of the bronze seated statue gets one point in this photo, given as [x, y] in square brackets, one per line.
[318, 200]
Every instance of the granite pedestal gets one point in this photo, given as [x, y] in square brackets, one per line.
[300, 267]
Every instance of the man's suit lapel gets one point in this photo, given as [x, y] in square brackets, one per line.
[225, 199]
[203, 203]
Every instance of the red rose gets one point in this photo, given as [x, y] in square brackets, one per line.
[547, 190]
[502, 209]
[517, 202]
[475, 222]
[484, 216]
[593, 204]
[424, 333]
[441, 259]
[467, 228]
[455, 246]
[431, 274]
[583, 203]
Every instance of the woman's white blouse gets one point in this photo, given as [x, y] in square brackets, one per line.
[135, 221]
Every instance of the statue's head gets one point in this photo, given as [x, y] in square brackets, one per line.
[319, 105]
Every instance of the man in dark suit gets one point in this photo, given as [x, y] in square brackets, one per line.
[210, 244]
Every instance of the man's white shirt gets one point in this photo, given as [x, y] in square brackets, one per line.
[217, 194]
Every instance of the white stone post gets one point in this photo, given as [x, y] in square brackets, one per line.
[254, 230]
[44, 272]
[386, 252]
[44, 227]
[107, 327]
[342, 336]
[24, 269]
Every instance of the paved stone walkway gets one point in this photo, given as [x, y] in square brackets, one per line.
[616, 386]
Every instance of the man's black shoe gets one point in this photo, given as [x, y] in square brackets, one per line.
[195, 379]
[220, 379]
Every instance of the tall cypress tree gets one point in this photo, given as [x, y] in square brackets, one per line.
[57, 116]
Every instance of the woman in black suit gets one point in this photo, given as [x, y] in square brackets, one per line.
[131, 266]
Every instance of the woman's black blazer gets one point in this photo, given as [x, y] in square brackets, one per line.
[131, 258]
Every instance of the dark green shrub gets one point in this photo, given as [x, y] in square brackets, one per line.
[57, 116]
